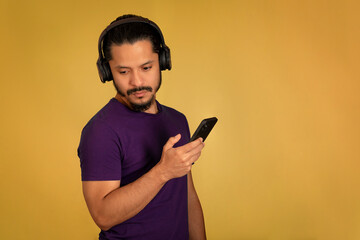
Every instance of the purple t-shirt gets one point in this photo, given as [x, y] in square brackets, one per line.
[120, 144]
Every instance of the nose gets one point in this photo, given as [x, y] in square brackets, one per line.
[136, 79]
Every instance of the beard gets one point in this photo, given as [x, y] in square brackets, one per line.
[136, 106]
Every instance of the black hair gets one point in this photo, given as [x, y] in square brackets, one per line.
[130, 33]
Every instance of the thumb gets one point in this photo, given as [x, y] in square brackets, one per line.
[171, 142]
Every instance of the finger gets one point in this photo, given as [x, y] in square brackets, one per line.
[194, 158]
[171, 142]
[196, 150]
[191, 145]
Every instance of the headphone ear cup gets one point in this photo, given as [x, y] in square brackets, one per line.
[104, 71]
[107, 71]
[164, 58]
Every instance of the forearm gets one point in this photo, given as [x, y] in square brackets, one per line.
[125, 202]
[196, 223]
[196, 217]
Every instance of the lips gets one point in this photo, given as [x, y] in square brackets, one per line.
[140, 94]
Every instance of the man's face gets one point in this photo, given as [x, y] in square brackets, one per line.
[136, 72]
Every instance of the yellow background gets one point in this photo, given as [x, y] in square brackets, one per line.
[282, 77]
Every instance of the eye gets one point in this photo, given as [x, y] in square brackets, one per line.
[123, 72]
[147, 68]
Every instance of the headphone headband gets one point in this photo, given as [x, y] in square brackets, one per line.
[103, 66]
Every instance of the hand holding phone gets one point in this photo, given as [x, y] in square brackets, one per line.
[204, 128]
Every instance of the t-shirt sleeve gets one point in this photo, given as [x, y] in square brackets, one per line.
[99, 152]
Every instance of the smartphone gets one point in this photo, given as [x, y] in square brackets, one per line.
[204, 128]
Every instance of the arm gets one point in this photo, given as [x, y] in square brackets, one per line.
[110, 205]
[196, 218]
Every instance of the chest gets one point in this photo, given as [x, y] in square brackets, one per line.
[142, 145]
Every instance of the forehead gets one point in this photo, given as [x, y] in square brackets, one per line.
[141, 50]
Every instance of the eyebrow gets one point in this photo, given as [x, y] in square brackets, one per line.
[148, 62]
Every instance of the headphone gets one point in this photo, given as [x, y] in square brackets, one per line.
[104, 67]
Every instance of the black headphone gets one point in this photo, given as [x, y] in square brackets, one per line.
[104, 67]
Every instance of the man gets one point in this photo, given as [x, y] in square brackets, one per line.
[135, 153]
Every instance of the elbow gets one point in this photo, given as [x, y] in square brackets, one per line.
[102, 222]
[104, 227]
[106, 219]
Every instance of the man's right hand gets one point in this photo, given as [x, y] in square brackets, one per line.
[177, 162]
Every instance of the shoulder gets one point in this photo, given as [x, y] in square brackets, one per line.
[106, 117]
[168, 111]
[99, 133]
[174, 116]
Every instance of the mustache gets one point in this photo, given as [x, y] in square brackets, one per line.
[146, 88]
